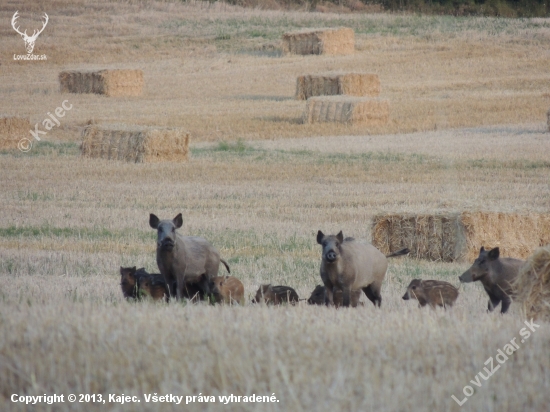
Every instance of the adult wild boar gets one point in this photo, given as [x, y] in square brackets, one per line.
[431, 292]
[496, 274]
[349, 265]
[184, 259]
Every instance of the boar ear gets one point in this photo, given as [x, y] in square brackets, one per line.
[320, 237]
[153, 221]
[178, 221]
[121, 270]
[493, 254]
[340, 237]
[481, 250]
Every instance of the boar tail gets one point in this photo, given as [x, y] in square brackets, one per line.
[401, 252]
[226, 265]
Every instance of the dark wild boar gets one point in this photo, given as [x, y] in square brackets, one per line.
[349, 265]
[431, 292]
[276, 295]
[129, 281]
[185, 260]
[318, 297]
[227, 289]
[496, 274]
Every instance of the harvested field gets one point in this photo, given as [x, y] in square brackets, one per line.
[112, 83]
[347, 109]
[459, 236]
[351, 84]
[12, 130]
[137, 144]
[468, 132]
[332, 41]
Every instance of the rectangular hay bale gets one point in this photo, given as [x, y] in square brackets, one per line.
[12, 130]
[138, 144]
[112, 83]
[347, 109]
[459, 236]
[320, 41]
[350, 84]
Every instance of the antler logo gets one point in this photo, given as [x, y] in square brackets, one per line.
[29, 40]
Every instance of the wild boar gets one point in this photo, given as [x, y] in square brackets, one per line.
[349, 265]
[318, 297]
[496, 274]
[275, 295]
[184, 259]
[154, 287]
[129, 281]
[432, 292]
[227, 289]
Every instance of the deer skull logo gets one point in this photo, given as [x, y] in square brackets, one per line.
[29, 40]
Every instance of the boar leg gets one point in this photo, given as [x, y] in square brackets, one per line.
[373, 293]
[329, 295]
[204, 285]
[493, 303]
[505, 304]
[346, 292]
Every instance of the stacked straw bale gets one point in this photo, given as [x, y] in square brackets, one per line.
[351, 84]
[320, 41]
[458, 236]
[113, 83]
[532, 286]
[347, 109]
[139, 144]
[12, 130]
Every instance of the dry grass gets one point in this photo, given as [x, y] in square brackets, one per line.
[68, 222]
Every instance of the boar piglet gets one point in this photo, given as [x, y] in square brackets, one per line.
[227, 289]
[431, 292]
[276, 295]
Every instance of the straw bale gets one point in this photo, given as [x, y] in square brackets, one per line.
[139, 144]
[12, 130]
[113, 83]
[351, 84]
[532, 286]
[320, 41]
[347, 109]
[458, 236]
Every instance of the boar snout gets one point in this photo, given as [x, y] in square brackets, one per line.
[406, 296]
[330, 256]
[466, 277]
[166, 244]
